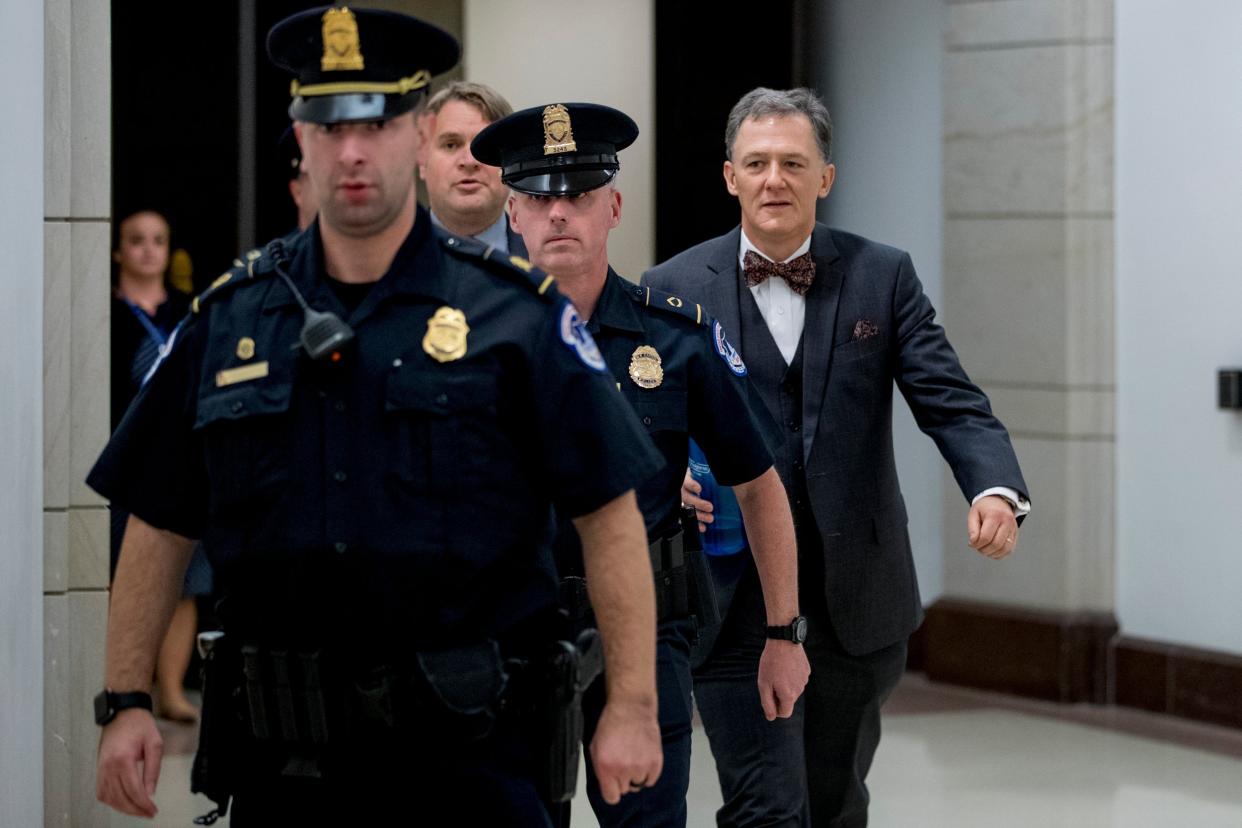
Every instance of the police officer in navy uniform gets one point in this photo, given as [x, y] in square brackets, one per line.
[368, 425]
[676, 369]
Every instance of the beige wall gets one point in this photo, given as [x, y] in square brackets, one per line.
[1028, 282]
[540, 51]
[76, 240]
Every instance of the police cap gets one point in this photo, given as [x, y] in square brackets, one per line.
[358, 64]
[559, 149]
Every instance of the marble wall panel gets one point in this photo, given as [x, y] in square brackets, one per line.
[89, 531]
[57, 84]
[1089, 103]
[1090, 331]
[1047, 411]
[1029, 131]
[57, 292]
[979, 25]
[91, 108]
[87, 616]
[55, 551]
[1034, 575]
[1090, 507]
[1006, 136]
[1004, 298]
[89, 355]
[57, 761]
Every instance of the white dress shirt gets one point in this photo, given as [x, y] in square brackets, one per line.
[782, 308]
[784, 311]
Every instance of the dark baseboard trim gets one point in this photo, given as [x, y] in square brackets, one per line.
[1058, 656]
[1180, 681]
[1073, 657]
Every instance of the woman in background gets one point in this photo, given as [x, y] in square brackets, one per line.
[145, 313]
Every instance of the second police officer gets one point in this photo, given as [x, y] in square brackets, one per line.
[678, 371]
[367, 425]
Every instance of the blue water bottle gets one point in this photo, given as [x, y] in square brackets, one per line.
[725, 535]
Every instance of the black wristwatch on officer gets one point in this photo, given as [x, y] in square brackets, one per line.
[108, 704]
[794, 631]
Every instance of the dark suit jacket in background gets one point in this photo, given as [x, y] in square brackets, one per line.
[847, 428]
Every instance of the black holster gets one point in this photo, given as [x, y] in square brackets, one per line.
[682, 579]
[557, 685]
[219, 726]
[703, 603]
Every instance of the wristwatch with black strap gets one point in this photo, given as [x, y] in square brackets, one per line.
[108, 704]
[794, 631]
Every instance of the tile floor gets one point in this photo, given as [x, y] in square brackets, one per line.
[962, 758]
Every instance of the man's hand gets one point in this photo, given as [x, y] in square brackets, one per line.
[991, 527]
[128, 766]
[625, 752]
[690, 490]
[783, 672]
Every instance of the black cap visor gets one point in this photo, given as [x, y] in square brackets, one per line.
[359, 106]
[561, 182]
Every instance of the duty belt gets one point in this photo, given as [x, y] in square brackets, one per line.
[683, 585]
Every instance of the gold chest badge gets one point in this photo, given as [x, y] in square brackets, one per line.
[446, 335]
[646, 367]
[341, 47]
[245, 348]
[558, 132]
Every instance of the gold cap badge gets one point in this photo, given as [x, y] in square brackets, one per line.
[646, 367]
[341, 47]
[245, 348]
[446, 335]
[558, 132]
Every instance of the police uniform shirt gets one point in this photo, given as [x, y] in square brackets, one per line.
[392, 493]
[684, 380]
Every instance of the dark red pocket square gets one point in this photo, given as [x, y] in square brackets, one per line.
[865, 329]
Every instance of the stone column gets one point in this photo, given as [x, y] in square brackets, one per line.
[1028, 302]
[76, 234]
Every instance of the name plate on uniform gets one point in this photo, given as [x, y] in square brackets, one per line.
[244, 373]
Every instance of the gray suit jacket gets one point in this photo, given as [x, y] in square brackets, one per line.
[871, 327]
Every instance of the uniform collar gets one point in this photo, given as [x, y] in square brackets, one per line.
[413, 271]
[497, 235]
[616, 308]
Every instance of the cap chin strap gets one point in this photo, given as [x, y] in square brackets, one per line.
[402, 86]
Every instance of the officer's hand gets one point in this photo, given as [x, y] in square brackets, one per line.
[626, 751]
[783, 673]
[992, 528]
[690, 490]
[128, 766]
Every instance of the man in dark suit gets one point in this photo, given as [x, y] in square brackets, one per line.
[466, 198]
[827, 323]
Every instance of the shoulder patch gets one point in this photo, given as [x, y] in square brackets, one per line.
[514, 268]
[653, 298]
[578, 339]
[726, 350]
[243, 270]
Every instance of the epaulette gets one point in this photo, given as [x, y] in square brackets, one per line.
[514, 268]
[243, 269]
[651, 298]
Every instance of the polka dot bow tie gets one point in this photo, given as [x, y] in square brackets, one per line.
[798, 273]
